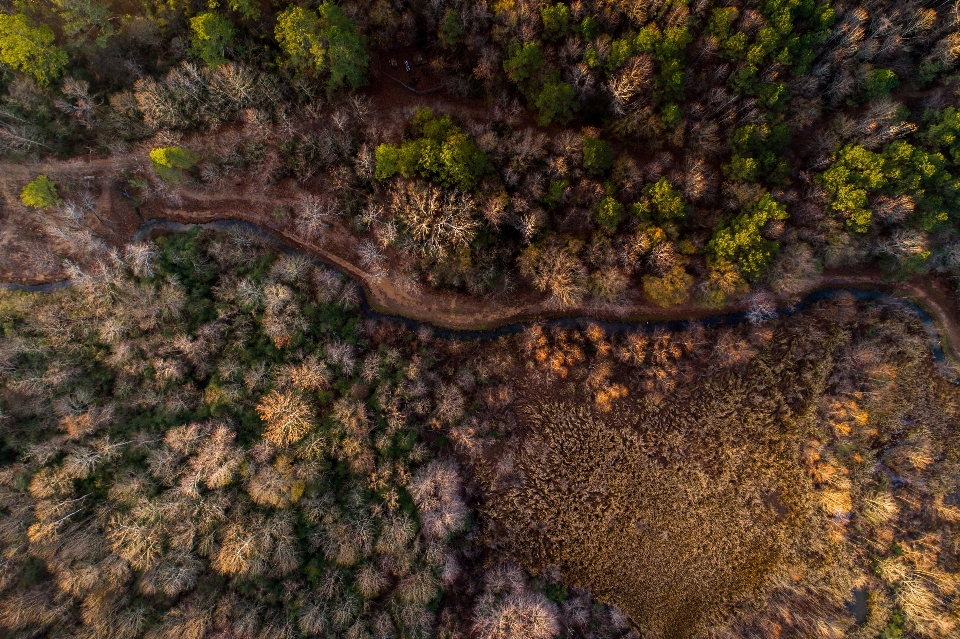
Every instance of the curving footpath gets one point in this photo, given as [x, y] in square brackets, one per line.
[454, 312]
[450, 312]
[459, 317]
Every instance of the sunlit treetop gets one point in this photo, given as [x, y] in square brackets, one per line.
[211, 35]
[30, 49]
[324, 40]
[249, 9]
[40, 194]
[740, 240]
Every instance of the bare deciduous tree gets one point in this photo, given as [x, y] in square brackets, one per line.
[287, 417]
[438, 223]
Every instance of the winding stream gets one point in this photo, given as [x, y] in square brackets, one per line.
[714, 321]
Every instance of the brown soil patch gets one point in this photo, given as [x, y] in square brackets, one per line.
[29, 253]
[410, 66]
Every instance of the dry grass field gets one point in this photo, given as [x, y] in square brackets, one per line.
[789, 466]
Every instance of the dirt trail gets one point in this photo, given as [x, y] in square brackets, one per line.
[450, 310]
[391, 293]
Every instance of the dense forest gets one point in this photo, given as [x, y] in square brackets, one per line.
[206, 438]
[670, 151]
[210, 435]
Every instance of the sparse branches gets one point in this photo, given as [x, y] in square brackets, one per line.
[436, 490]
[286, 415]
[246, 547]
[438, 223]
[629, 81]
[555, 269]
[508, 609]
[316, 213]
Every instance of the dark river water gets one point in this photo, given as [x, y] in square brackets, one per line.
[712, 321]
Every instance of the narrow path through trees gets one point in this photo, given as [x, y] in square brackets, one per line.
[393, 294]
[461, 316]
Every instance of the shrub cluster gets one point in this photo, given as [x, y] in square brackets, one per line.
[442, 152]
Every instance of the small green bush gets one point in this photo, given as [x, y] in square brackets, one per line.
[443, 153]
[40, 194]
[608, 214]
[555, 192]
[174, 157]
[171, 161]
[597, 155]
[670, 116]
[880, 83]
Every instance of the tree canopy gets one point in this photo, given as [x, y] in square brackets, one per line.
[524, 63]
[740, 241]
[86, 18]
[556, 20]
[211, 35]
[325, 40]
[30, 49]
[901, 168]
[40, 194]
[556, 102]
[249, 9]
[669, 289]
[609, 213]
[442, 153]
[666, 201]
